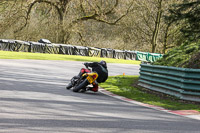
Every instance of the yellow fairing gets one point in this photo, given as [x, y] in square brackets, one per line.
[91, 77]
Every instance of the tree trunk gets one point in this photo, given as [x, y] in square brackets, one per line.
[166, 38]
[157, 27]
[61, 32]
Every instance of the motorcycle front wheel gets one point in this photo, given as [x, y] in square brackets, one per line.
[69, 86]
[80, 86]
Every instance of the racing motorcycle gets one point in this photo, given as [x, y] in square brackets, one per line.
[84, 82]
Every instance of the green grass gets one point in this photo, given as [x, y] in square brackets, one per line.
[41, 56]
[123, 86]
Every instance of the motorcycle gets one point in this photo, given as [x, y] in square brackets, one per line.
[82, 83]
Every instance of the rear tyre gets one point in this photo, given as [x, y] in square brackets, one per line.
[80, 86]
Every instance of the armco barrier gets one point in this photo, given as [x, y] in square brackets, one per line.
[94, 52]
[147, 57]
[37, 47]
[184, 83]
[119, 54]
[66, 49]
[80, 50]
[107, 53]
[45, 46]
[22, 46]
[130, 55]
[142, 56]
[7, 45]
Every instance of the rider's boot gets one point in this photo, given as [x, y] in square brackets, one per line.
[94, 88]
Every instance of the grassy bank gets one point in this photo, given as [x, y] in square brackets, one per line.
[41, 56]
[123, 85]
[186, 55]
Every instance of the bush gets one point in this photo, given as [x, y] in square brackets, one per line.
[186, 56]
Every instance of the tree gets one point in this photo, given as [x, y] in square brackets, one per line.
[12, 15]
[118, 24]
[149, 31]
[98, 10]
[60, 6]
[99, 18]
[187, 14]
[145, 23]
[157, 26]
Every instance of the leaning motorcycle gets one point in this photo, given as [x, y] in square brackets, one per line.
[81, 84]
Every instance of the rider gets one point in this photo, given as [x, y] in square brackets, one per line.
[100, 68]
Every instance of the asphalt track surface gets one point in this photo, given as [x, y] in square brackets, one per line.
[33, 99]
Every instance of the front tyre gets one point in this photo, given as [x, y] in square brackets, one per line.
[80, 86]
[69, 86]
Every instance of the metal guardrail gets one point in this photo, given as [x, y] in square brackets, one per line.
[184, 83]
[51, 48]
[147, 57]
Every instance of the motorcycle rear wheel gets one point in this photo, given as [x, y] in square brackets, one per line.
[80, 86]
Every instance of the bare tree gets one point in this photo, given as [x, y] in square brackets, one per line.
[12, 15]
[64, 15]
[145, 25]
[119, 24]
[157, 25]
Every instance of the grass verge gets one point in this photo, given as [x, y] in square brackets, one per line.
[124, 86]
[41, 56]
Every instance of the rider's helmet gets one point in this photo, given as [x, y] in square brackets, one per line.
[103, 63]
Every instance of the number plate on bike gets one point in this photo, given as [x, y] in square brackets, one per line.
[90, 79]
